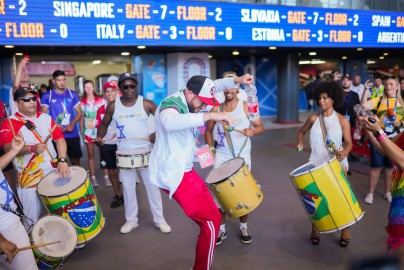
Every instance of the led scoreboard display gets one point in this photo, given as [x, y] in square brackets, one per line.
[191, 23]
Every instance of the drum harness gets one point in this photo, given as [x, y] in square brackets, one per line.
[228, 138]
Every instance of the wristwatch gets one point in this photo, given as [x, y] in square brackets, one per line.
[378, 133]
[62, 159]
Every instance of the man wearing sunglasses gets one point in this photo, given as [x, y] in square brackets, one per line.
[171, 162]
[130, 113]
[35, 160]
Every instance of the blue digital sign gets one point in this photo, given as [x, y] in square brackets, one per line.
[191, 23]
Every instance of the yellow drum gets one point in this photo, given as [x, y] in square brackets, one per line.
[235, 187]
[53, 229]
[326, 195]
[73, 198]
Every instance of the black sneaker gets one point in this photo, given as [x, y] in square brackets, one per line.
[222, 235]
[245, 236]
[117, 201]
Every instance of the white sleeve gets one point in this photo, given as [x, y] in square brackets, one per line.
[172, 120]
[225, 83]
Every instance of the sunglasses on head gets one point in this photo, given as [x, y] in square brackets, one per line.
[131, 86]
[28, 99]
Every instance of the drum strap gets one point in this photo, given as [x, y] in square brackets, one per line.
[323, 129]
[228, 138]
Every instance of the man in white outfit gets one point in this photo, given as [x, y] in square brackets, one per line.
[131, 112]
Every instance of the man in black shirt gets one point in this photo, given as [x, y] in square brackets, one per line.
[350, 100]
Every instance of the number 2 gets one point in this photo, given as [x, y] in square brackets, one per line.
[23, 5]
[218, 14]
[356, 18]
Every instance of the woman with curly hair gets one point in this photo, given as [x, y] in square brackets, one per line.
[328, 94]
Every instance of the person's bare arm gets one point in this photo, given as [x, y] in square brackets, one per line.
[209, 130]
[302, 131]
[346, 134]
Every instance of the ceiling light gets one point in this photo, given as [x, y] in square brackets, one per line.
[369, 62]
[344, 57]
[235, 52]
[210, 56]
[141, 47]
[317, 62]
[272, 48]
[304, 62]
[125, 53]
[359, 49]
[312, 53]
[381, 57]
[96, 62]
[386, 53]
[19, 54]
[9, 46]
[43, 62]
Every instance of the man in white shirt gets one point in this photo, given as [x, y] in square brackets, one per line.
[171, 162]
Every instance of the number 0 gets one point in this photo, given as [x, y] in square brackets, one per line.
[63, 31]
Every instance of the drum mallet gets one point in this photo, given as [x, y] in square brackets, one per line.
[58, 121]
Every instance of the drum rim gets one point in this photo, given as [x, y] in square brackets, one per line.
[134, 154]
[70, 223]
[330, 160]
[229, 177]
[70, 191]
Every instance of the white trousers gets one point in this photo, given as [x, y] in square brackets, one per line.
[25, 259]
[128, 178]
[31, 205]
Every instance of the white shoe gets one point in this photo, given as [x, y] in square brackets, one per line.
[369, 198]
[163, 227]
[388, 197]
[107, 182]
[80, 246]
[128, 226]
[94, 181]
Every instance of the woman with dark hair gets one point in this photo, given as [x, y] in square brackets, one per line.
[90, 103]
[328, 94]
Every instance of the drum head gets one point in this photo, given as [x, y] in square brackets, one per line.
[52, 229]
[225, 170]
[312, 166]
[54, 185]
[129, 152]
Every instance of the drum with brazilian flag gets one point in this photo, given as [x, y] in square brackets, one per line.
[73, 198]
[326, 195]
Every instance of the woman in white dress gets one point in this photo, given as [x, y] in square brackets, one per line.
[327, 95]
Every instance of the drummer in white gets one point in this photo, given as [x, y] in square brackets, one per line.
[131, 112]
[233, 144]
[35, 160]
[12, 232]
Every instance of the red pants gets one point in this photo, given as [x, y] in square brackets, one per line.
[194, 197]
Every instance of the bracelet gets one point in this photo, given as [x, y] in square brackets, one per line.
[212, 149]
[381, 137]
[32, 148]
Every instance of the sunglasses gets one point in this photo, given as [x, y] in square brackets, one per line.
[28, 99]
[131, 86]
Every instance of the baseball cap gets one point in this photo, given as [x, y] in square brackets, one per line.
[109, 84]
[204, 88]
[125, 76]
[20, 92]
[112, 78]
[347, 76]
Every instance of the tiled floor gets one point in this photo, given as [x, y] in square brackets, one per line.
[280, 226]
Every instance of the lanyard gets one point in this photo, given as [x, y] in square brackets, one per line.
[347, 100]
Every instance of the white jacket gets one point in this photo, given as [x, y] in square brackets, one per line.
[174, 149]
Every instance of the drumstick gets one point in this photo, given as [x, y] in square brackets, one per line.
[38, 245]
[124, 139]
[9, 121]
[58, 121]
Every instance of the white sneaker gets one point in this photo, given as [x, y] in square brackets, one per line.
[388, 197]
[369, 198]
[163, 227]
[107, 182]
[128, 226]
[94, 181]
